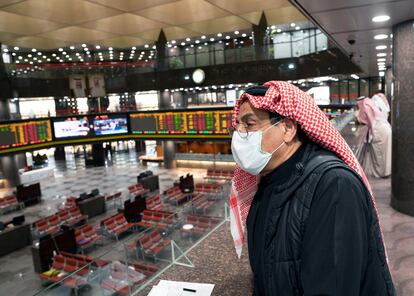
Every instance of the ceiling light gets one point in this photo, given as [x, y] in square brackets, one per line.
[211, 39]
[187, 49]
[197, 41]
[219, 34]
[291, 66]
[236, 32]
[380, 36]
[273, 27]
[182, 43]
[16, 48]
[381, 54]
[5, 50]
[205, 43]
[53, 54]
[244, 35]
[187, 39]
[279, 30]
[31, 63]
[227, 37]
[292, 25]
[86, 49]
[48, 60]
[380, 47]
[354, 76]
[169, 45]
[44, 57]
[29, 55]
[34, 49]
[39, 53]
[146, 45]
[84, 45]
[380, 18]
[297, 28]
[26, 60]
[381, 73]
[203, 37]
[72, 47]
[60, 49]
[173, 41]
[381, 60]
[13, 54]
[88, 52]
[20, 57]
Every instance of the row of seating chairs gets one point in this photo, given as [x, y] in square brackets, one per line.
[157, 219]
[65, 263]
[121, 281]
[9, 203]
[152, 243]
[86, 237]
[174, 195]
[200, 203]
[208, 188]
[137, 189]
[51, 224]
[219, 174]
[113, 196]
[116, 225]
[199, 224]
[155, 203]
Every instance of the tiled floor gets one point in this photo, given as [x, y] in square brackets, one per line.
[215, 260]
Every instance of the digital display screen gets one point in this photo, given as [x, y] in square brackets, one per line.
[24, 133]
[105, 125]
[206, 122]
[72, 127]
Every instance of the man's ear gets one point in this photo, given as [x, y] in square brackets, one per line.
[289, 130]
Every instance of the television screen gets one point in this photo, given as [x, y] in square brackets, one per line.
[103, 125]
[77, 127]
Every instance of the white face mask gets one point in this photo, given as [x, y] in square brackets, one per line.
[247, 151]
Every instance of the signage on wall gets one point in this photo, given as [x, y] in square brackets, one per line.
[198, 76]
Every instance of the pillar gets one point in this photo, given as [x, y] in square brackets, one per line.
[169, 154]
[4, 109]
[10, 169]
[161, 51]
[259, 35]
[60, 153]
[98, 154]
[402, 183]
[140, 147]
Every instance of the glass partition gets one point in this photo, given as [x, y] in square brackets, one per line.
[131, 254]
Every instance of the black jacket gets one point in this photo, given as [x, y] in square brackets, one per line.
[316, 234]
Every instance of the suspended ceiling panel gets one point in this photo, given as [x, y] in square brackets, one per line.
[216, 25]
[70, 12]
[123, 42]
[38, 42]
[151, 35]
[240, 6]
[183, 12]
[78, 35]
[95, 21]
[131, 5]
[124, 24]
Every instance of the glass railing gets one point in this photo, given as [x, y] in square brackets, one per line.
[160, 240]
[286, 48]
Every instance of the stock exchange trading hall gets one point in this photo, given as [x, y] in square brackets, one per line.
[205, 147]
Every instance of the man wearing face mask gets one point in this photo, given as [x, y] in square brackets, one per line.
[298, 190]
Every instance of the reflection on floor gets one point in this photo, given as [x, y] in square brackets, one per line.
[215, 259]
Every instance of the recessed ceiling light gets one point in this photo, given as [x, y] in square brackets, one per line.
[381, 60]
[381, 73]
[292, 25]
[273, 27]
[16, 48]
[203, 37]
[84, 45]
[173, 41]
[211, 39]
[380, 47]
[60, 49]
[13, 54]
[182, 43]
[34, 49]
[227, 37]
[381, 54]
[380, 18]
[29, 55]
[297, 28]
[380, 36]
[188, 39]
[219, 34]
[244, 35]
[72, 47]
[236, 32]
[146, 45]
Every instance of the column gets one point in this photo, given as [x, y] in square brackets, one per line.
[259, 34]
[402, 184]
[169, 154]
[98, 154]
[140, 147]
[160, 45]
[10, 170]
[4, 109]
[59, 153]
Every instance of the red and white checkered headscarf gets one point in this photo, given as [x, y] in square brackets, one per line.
[288, 101]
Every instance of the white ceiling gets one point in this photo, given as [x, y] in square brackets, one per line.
[49, 24]
[345, 20]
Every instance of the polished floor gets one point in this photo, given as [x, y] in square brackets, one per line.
[215, 260]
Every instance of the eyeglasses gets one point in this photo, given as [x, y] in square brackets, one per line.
[243, 129]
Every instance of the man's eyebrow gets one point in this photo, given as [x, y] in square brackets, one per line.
[247, 116]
